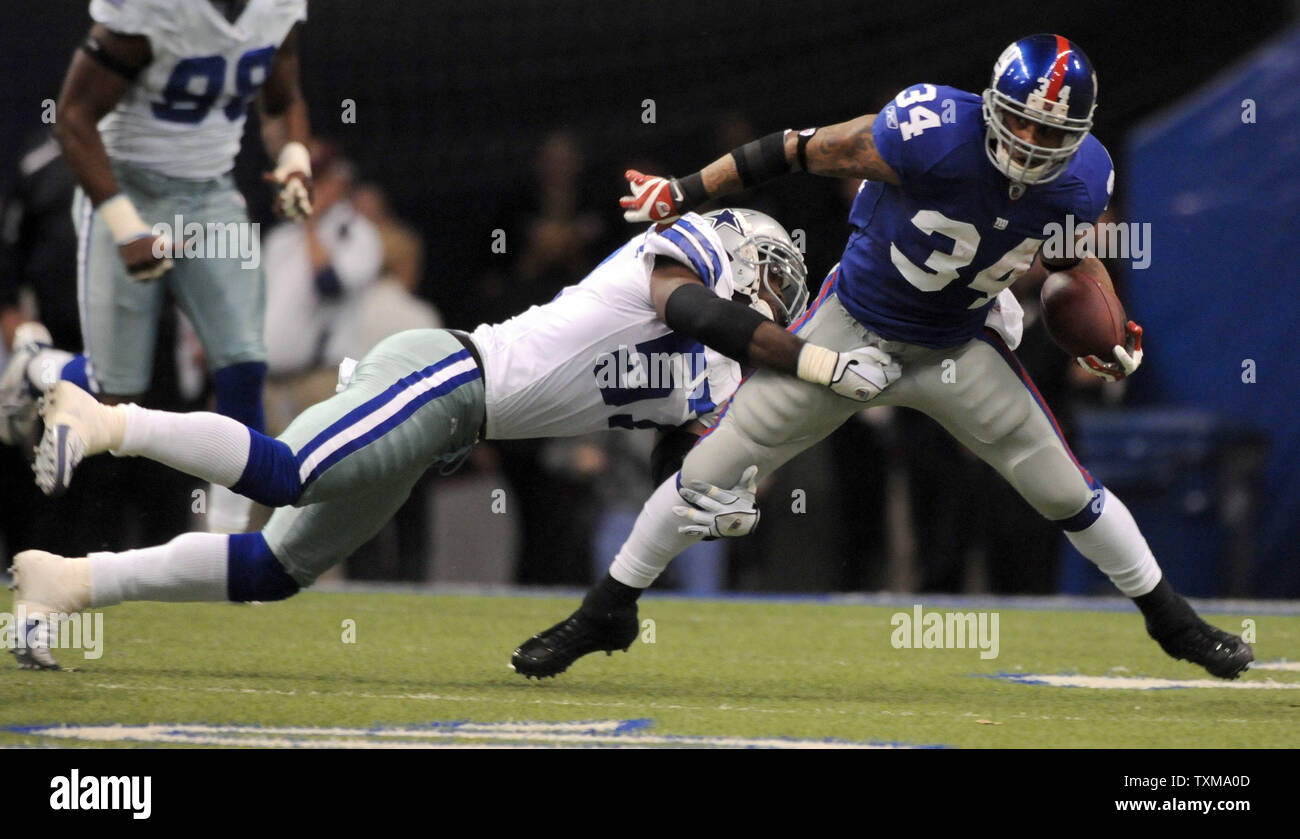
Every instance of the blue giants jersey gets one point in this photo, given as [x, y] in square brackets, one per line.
[926, 258]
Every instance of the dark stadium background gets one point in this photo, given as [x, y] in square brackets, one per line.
[452, 100]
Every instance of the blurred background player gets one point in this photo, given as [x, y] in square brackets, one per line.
[149, 120]
[954, 210]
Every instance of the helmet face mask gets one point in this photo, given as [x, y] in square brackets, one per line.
[1042, 79]
[767, 269]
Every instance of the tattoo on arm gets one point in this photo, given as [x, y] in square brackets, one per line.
[843, 150]
[846, 150]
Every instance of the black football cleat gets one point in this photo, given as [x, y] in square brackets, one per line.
[551, 652]
[1222, 654]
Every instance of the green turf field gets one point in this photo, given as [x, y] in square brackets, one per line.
[730, 672]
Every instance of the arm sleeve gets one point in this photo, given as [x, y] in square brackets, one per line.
[722, 325]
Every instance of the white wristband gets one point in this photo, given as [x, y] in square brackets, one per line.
[817, 364]
[125, 223]
[294, 157]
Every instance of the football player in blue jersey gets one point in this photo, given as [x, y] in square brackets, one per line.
[960, 193]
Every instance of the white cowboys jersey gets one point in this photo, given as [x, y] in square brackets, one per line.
[183, 116]
[598, 356]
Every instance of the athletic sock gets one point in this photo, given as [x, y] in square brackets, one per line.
[609, 595]
[190, 568]
[654, 539]
[228, 511]
[1165, 610]
[202, 444]
[1115, 545]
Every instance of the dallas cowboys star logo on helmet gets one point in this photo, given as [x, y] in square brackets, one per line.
[726, 218]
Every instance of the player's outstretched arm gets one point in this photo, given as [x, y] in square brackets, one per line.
[98, 77]
[845, 150]
[737, 331]
[286, 130]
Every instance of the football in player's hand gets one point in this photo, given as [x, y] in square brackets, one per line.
[1083, 315]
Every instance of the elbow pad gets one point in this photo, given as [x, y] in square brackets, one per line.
[718, 324]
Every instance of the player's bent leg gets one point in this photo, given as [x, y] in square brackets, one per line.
[994, 410]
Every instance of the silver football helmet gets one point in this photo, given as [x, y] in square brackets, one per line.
[763, 256]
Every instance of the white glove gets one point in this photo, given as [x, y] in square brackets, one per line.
[859, 374]
[1127, 358]
[292, 176]
[720, 512]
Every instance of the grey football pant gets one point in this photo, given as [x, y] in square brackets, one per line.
[977, 391]
[414, 402]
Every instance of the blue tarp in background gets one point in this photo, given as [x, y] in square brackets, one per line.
[1222, 195]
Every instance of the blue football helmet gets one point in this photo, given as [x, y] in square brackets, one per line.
[1048, 80]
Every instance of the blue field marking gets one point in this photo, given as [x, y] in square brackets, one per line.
[629, 733]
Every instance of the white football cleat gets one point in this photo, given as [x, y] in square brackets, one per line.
[76, 425]
[18, 409]
[45, 585]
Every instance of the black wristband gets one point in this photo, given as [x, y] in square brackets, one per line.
[689, 192]
[762, 159]
[96, 51]
[722, 325]
[801, 147]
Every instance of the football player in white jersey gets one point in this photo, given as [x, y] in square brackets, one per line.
[645, 340]
[150, 119]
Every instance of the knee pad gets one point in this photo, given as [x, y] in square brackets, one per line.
[1052, 484]
[253, 572]
[239, 393]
